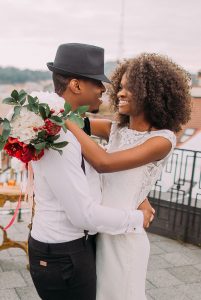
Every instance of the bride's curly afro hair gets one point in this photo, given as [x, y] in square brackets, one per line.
[160, 87]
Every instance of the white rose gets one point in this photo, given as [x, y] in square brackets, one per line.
[23, 124]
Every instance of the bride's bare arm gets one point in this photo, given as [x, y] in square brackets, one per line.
[100, 128]
[154, 149]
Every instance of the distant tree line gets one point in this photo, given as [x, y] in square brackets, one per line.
[11, 75]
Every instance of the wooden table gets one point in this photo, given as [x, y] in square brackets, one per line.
[11, 193]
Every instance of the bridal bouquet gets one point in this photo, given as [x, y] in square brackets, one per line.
[34, 126]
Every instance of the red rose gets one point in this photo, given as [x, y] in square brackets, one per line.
[27, 153]
[38, 156]
[12, 140]
[18, 149]
[12, 147]
[51, 128]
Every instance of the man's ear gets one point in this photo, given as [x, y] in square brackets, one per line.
[74, 85]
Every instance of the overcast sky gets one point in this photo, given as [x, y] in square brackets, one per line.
[31, 30]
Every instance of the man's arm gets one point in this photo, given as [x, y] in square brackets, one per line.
[69, 184]
[101, 128]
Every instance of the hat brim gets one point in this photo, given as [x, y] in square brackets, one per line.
[100, 77]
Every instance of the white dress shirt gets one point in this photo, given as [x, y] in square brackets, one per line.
[69, 202]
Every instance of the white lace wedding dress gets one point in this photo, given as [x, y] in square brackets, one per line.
[122, 259]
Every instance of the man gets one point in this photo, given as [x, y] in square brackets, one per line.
[68, 214]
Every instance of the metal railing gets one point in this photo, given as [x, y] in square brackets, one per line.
[176, 198]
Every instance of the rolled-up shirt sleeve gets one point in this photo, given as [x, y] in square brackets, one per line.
[67, 181]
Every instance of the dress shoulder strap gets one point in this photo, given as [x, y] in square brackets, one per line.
[169, 135]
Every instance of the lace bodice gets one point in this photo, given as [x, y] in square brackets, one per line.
[127, 189]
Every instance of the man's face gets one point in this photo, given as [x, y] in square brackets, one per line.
[91, 93]
[95, 107]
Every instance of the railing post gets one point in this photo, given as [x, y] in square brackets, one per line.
[189, 199]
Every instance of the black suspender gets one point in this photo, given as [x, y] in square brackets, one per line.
[87, 130]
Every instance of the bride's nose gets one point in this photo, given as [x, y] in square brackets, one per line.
[121, 94]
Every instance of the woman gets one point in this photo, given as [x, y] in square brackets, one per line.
[151, 96]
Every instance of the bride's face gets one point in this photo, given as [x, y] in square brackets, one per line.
[126, 99]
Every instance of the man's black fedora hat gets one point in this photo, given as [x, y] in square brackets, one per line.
[79, 59]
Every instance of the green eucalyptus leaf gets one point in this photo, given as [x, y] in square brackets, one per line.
[60, 145]
[43, 104]
[6, 129]
[36, 99]
[42, 111]
[35, 108]
[6, 124]
[29, 107]
[53, 138]
[47, 111]
[64, 128]
[67, 107]
[42, 134]
[31, 100]
[57, 120]
[22, 92]
[76, 119]
[2, 144]
[82, 109]
[40, 146]
[23, 100]
[10, 101]
[58, 150]
[15, 95]
[22, 97]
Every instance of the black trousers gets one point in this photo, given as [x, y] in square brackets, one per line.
[64, 271]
